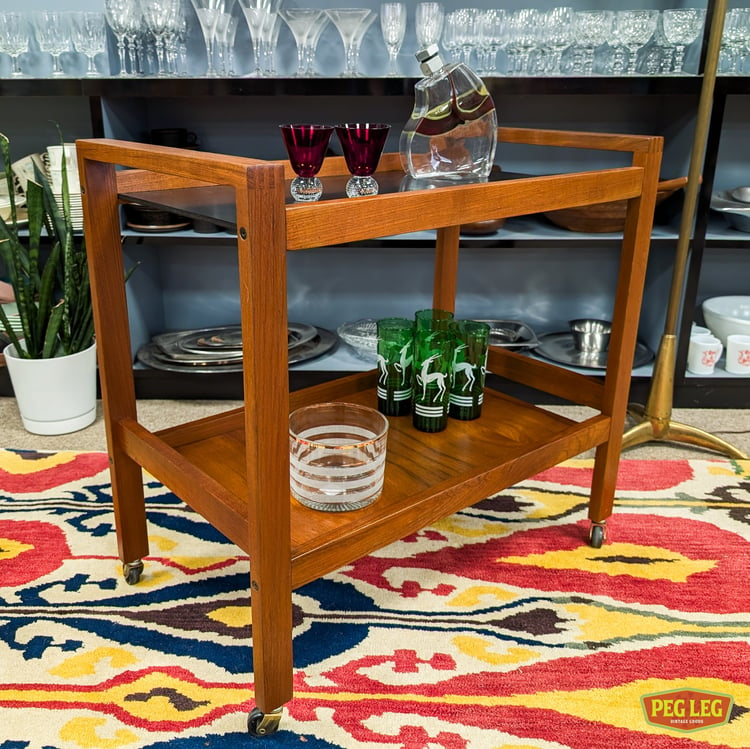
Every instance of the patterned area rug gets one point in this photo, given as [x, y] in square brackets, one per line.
[495, 629]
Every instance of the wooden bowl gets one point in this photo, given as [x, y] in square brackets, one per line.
[607, 217]
[482, 228]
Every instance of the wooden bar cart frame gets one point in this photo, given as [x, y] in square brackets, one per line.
[233, 468]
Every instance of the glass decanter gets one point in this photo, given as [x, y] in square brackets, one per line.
[452, 131]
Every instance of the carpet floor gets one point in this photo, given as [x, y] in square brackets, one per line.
[498, 628]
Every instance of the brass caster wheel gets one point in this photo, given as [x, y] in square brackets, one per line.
[597, 535]
[263, 724]
[132, 571]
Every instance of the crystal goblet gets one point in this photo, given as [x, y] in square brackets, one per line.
[52, 30]
[352, 24]
[362, 144]
[302, 22]
[681, 27]
[89, 34]
[306, 146]
[14, 37]
[635, 28]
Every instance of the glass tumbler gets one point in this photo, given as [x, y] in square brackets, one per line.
[337, 455]
[433, 356]
[468, 368]
[395, 365]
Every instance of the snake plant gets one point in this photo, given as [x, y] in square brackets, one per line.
[47, 269]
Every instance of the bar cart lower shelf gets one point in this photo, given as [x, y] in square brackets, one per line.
[234, 468]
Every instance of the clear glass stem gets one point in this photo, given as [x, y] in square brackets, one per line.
[352, 59]
[306, 189]
[358, 187]
[56, 66]
[633, 60]
[393, 62]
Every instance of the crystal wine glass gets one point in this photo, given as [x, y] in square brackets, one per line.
[351, 23]
[52, 30]
[89, 34]
[158, 16]
[523, 37]
[681, 27]
[734, 40]
[591, 29]
[393, 27]
[468, 31]
[556, 37]
[451, 36]
[362, 144]
[635, 28]
[117, 13]
[14, 37]
[492, 27]
[306, 146]
[428, 20]
[175, 42]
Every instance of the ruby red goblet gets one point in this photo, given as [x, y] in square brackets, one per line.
[362, 144]
[306, 146]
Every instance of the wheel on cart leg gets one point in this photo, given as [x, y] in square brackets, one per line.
[132, 571]
[597, 535]
[263, 724]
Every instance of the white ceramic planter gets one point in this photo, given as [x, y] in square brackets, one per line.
[54, 396]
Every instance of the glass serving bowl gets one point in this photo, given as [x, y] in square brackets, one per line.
[362, 336]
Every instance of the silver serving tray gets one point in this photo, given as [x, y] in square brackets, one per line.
[724, 200]
[152, 355]
[561, 348]
[736, 212]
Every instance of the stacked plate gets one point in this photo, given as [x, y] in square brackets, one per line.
[11, 312]
[53, 164]
[219, 349]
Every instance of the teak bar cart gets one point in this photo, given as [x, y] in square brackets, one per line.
[234, 468]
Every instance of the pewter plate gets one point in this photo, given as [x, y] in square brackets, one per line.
[324, 342]
[224, 340]
[152, 355]
[560, 348]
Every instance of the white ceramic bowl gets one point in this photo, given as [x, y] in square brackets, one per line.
[725, 315]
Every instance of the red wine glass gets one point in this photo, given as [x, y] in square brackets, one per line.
[306, 146]
[362, 143]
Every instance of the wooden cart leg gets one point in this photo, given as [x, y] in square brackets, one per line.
[603, 484]
[130, 515]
